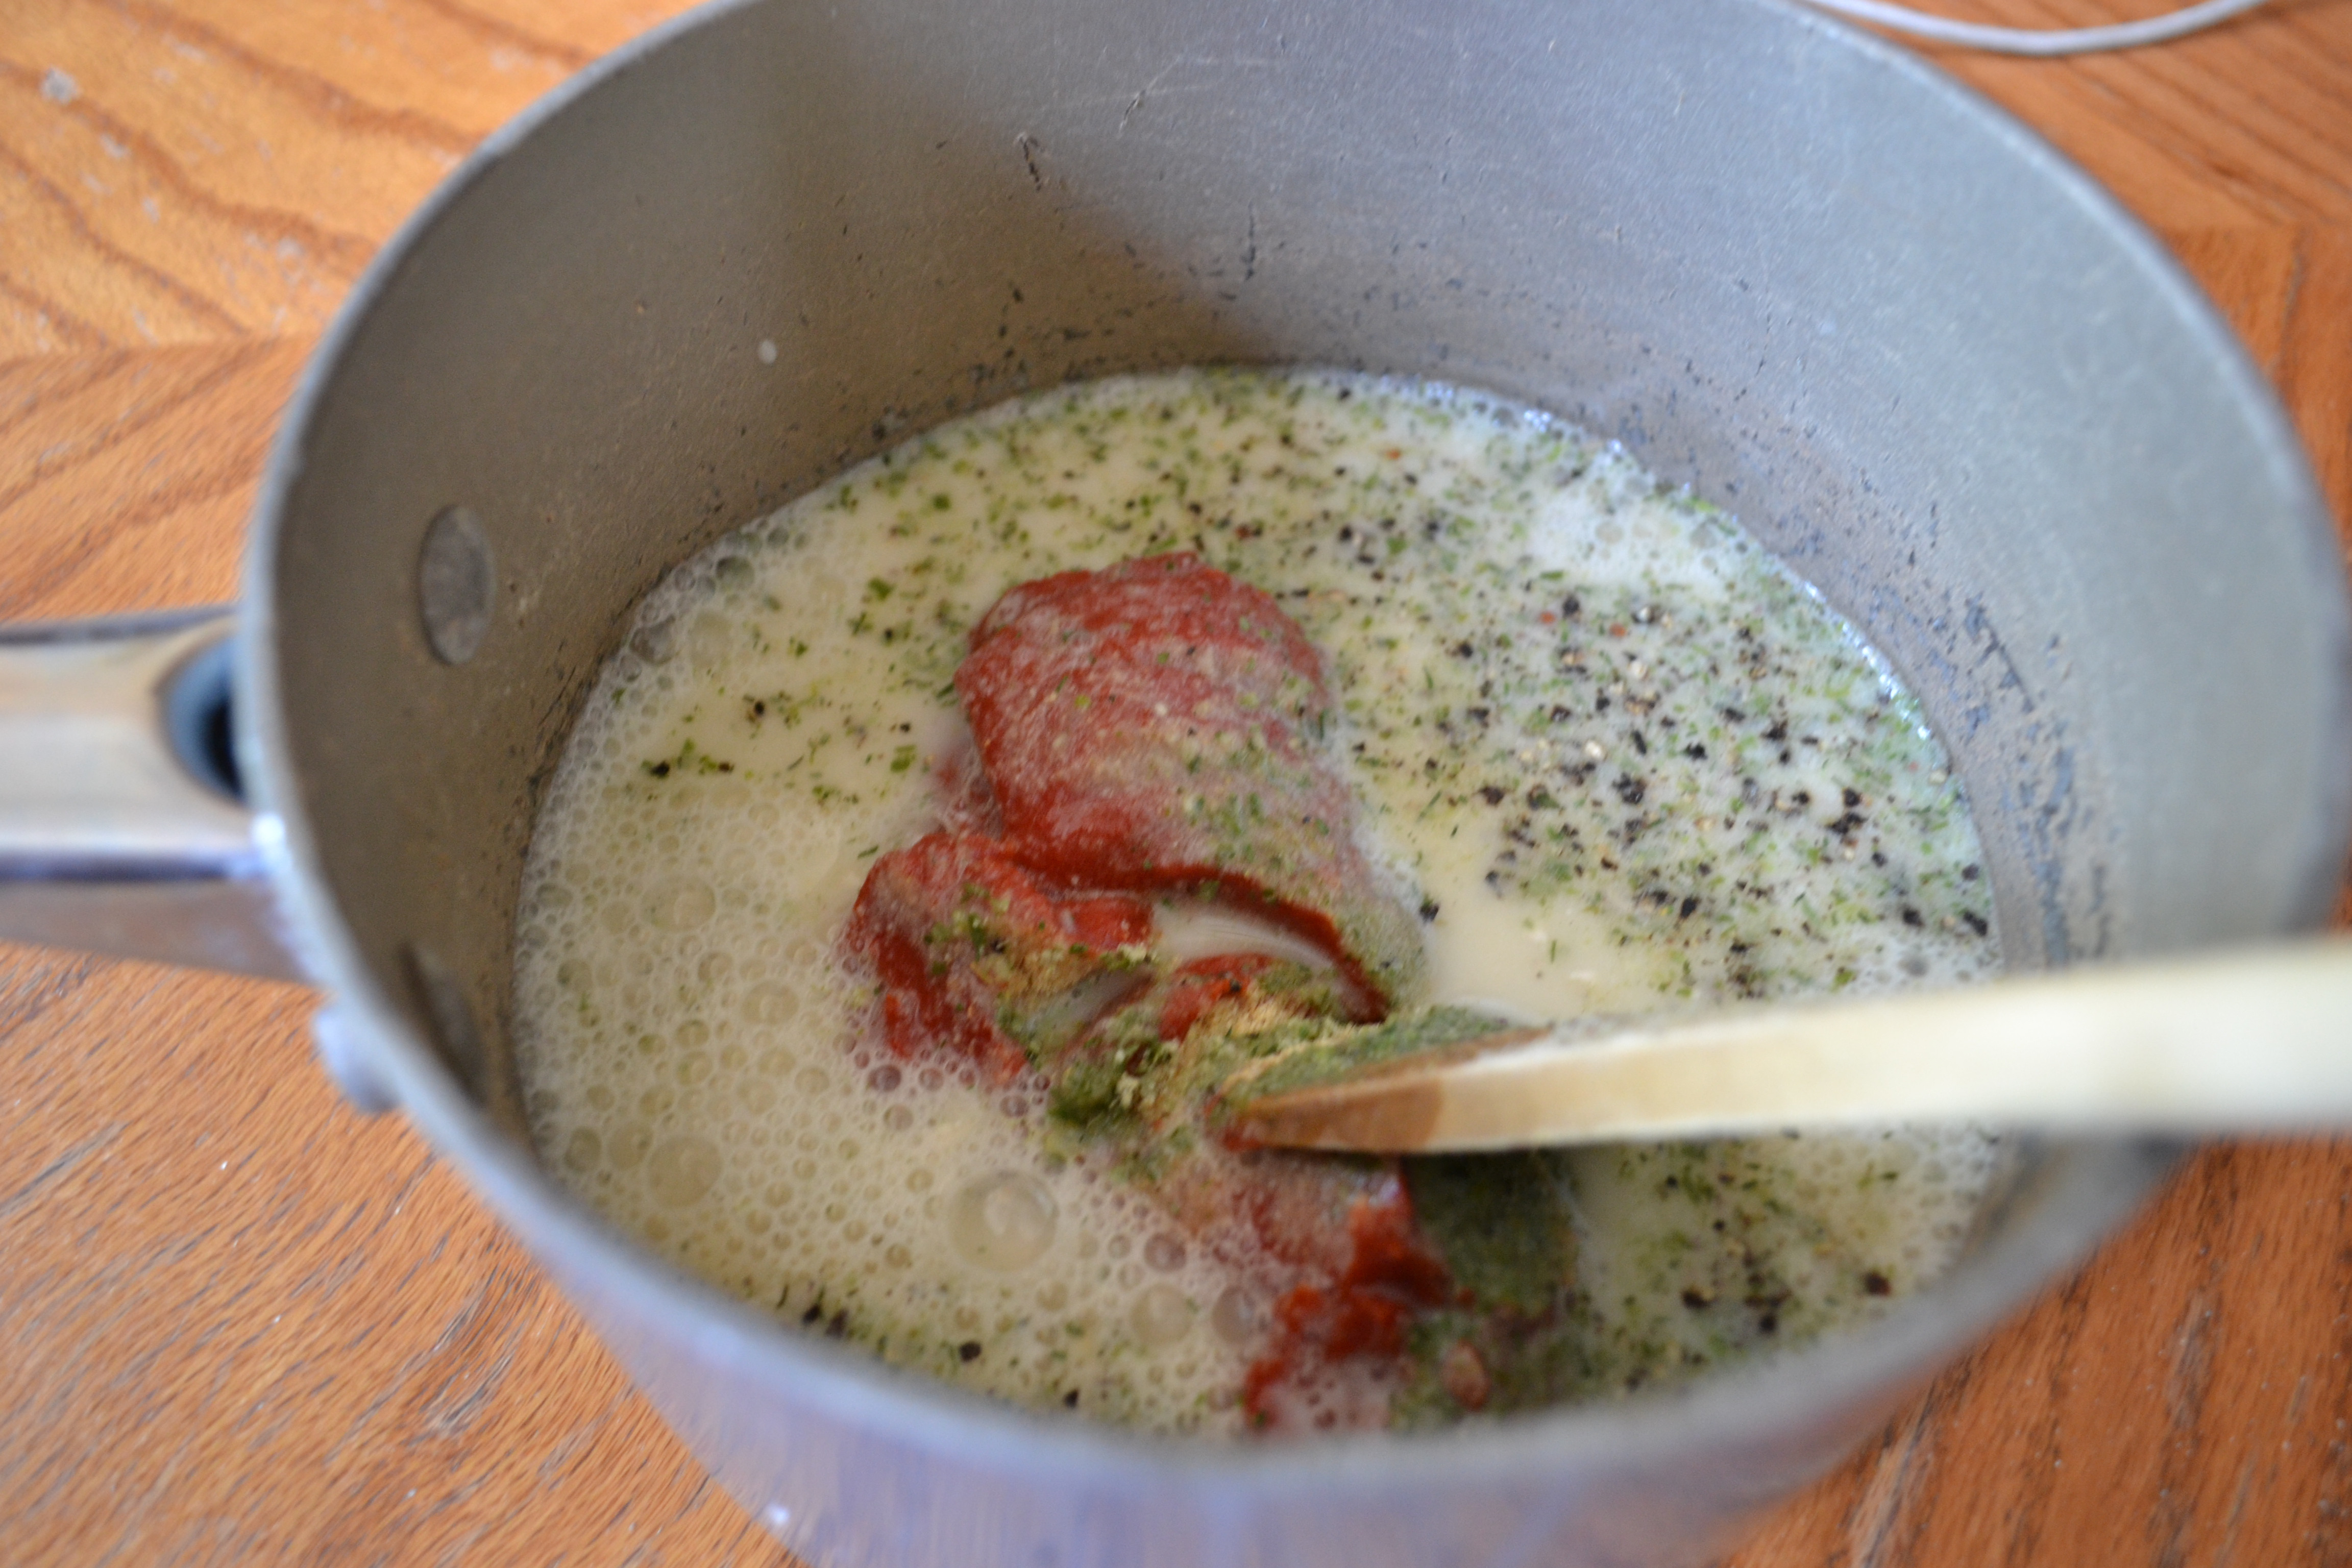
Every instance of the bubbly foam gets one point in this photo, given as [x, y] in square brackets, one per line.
[698, 1068]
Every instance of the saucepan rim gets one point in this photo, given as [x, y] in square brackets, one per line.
[1869, 1368]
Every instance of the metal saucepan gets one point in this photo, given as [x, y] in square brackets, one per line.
[1915, 351]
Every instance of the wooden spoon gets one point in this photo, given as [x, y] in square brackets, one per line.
[2258, 1039]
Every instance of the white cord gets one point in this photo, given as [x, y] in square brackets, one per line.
[2040, 40]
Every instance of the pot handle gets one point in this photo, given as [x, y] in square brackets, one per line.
[123, 827]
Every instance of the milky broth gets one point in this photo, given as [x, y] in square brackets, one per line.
[1616, 756]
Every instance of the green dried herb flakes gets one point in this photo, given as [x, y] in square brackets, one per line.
[1500, 1223]
[1336, 1051]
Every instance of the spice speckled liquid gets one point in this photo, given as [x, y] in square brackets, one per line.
[1616, 757]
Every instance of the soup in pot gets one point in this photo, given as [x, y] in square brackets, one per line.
[931, 849]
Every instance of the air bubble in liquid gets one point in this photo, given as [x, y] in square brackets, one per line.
[682, 903]
[1161, 1316]
[1235, 1317]
[709, 637]
[656, 643]
[1004, 1221]
[682, 1170]
[771, 1002]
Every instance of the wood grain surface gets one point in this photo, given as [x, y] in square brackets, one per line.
[240, 1324]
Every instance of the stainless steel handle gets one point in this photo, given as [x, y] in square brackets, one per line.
[121, 828]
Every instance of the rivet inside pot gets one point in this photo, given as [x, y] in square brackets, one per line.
[454, 583]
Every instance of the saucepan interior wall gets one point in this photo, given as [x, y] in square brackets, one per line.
[1599, 209]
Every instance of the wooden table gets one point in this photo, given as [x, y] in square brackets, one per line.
[240, 1324]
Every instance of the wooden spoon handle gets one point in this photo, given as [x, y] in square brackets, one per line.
[2241, 1041]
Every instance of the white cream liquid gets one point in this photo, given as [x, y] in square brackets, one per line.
[697, 1068]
